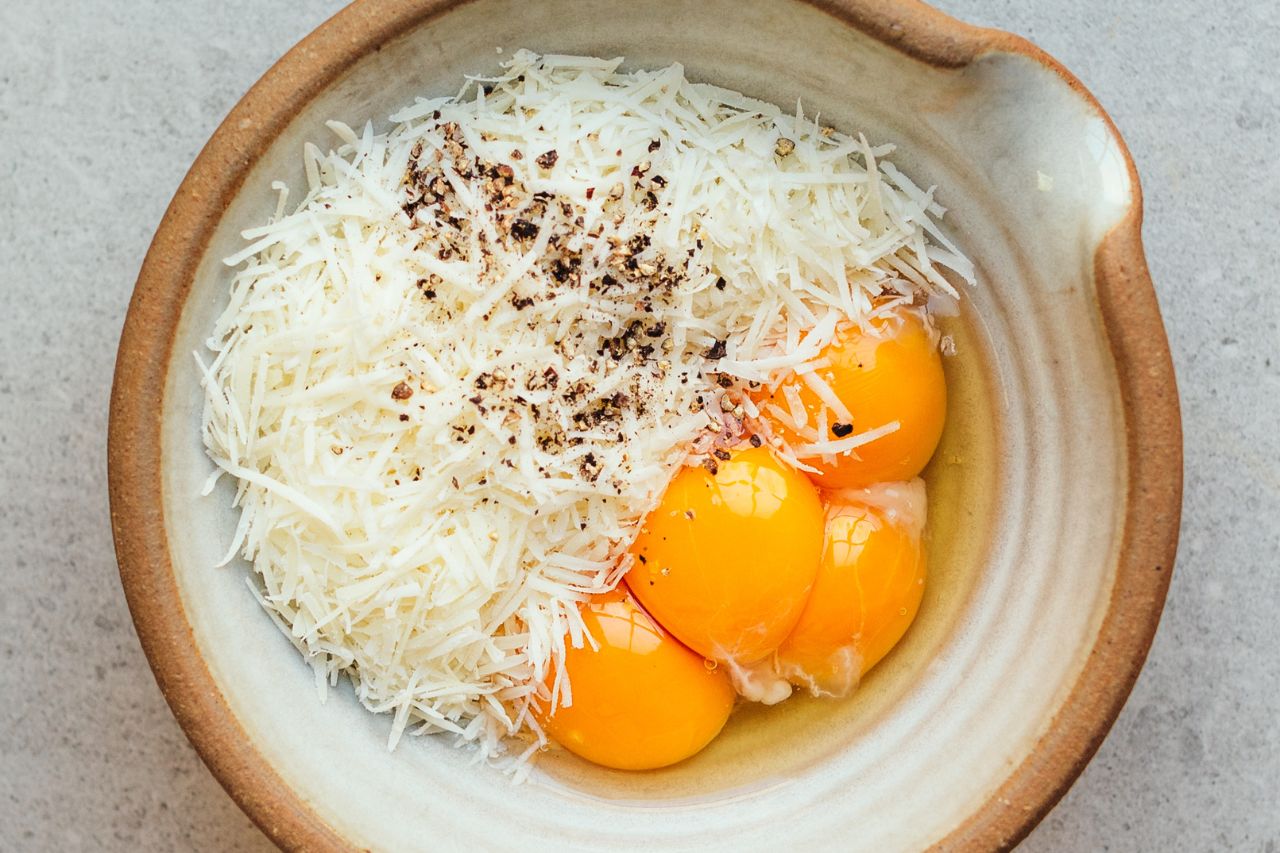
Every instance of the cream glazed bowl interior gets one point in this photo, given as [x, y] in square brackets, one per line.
[1054, 497]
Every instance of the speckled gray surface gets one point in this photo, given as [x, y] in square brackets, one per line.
[90, 757]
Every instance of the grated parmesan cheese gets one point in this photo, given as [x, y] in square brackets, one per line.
[452, 380]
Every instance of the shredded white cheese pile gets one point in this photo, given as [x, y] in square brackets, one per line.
[451, 382]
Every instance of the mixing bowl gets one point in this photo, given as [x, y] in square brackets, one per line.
[1054, 497]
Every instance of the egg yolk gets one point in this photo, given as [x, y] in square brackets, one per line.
[726, 561]
[867, 593]
[641, 700]
[892, 373]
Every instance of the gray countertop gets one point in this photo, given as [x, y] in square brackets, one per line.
[103, 105]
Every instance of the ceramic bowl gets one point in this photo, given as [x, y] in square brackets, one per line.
[1054, 497]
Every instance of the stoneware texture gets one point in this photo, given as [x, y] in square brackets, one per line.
[1017, 665]
[90, 732]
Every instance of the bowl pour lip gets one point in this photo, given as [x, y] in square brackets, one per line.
[1126, 302]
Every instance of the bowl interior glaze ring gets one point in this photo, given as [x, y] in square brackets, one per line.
[1055, 496]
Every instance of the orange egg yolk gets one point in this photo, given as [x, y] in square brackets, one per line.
[726, 561]
[867, 593]
[641, 700]
[892, 373]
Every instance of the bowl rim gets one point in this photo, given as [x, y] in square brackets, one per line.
[1126, 301]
